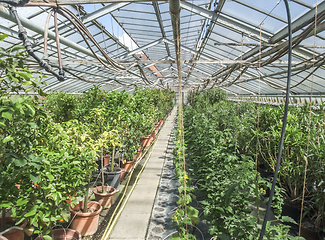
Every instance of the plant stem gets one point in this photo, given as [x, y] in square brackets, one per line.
[84, 210]
[113, 157]
[102, 164]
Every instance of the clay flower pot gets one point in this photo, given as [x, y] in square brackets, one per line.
[127, 165]
[14, 233]
[105, 199]
[153, 136]
[138, 155]
[106, 159]
[63, 234]
[161, 122]
[122, 174]
[145, 141]
[156, 127]
[85, 223]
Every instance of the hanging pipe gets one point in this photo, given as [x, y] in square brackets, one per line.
[23, 36]
[286, 107]
[61, 71]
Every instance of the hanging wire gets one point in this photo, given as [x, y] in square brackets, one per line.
[284, 123]
[241, 57]
[309, 125]
[257, 130]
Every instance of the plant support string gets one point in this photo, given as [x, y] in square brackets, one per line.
[268, 209]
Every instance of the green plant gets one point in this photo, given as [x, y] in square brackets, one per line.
[185, 214]
[226, 178]
[62, 106]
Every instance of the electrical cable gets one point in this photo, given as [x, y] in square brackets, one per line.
[22, 34]
[309, 125]
[286, 109]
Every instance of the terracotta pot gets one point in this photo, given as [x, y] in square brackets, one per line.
[105, 199]
[139, 154]
[156, 127]
[106, 159]
[161, 122]
[85, 223]
[145, 141]
[122, 173]
[14, 233]
[128, 165]
[63, 234]
[153, 136]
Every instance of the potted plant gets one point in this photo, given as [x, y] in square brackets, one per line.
[104, 193]
[85, 214]
[98, 124]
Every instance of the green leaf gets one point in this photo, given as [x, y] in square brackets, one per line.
[17, 47]
[46, 162]
[65, 217]
[21, 202]
[3, 36]
[7, 139]
[30, 108]
[35, 178]
[50, 176]
[27, 83]
[41, 93]
[18, 105]
[6, 204]
[193, 214]
[33, 125]
[20, 162]
[47, 237]
[175, 236]
[288, 219]
[7, 115]
[31, 213]
[229, 193]
[224, 237]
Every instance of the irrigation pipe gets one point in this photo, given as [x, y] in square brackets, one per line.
[113, 219]
[268, 209]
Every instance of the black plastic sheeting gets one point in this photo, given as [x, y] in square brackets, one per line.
[160, 224]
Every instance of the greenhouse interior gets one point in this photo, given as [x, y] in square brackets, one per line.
[162, 119]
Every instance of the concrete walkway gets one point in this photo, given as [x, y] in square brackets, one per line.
[134, 220]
